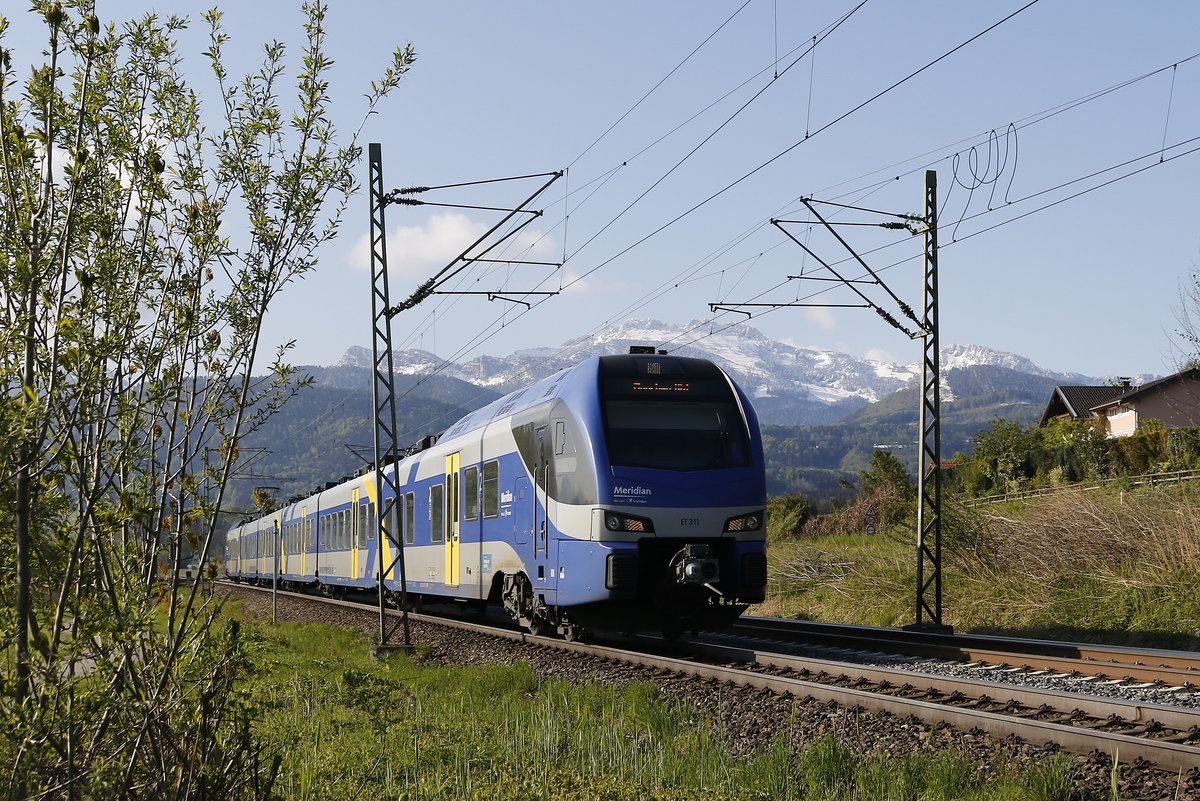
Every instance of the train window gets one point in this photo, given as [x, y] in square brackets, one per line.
[437, 513]
[470, 490]
[399, 530]
[410, 516]
[370, 521]
[666, 435]
[491, 489]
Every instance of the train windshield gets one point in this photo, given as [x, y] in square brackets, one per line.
[672, 420]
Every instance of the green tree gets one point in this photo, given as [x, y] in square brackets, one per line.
[132, 329]
[1076, 450]
[786, 515]
[886, 486]
[1007, 454]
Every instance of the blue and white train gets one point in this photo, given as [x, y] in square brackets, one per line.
[626, 493]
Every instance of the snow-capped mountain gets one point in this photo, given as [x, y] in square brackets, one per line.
[788, 383]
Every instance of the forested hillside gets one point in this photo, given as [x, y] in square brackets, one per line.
[812, 459]
[324, 432]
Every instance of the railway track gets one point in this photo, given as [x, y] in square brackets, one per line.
[1169, 669]
[1166, 736]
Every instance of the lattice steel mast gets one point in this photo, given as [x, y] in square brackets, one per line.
[929, 472]
[386, 446]
[383, 398]
[929, 477]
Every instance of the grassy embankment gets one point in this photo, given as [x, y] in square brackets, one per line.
[349, 726]
[1107, 565]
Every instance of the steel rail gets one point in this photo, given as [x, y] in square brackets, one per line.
[1135, 664]
[1181, 719]
[1165, 755]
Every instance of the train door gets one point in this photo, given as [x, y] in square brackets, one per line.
[521, 521]
[305, 528]
[472, 527]
[280, 545]
[277, 563]
[542, 478]
[453, 507]
[391, 531]
[356, 534]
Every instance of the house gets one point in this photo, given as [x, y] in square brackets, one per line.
[1075, 402]
[1174, 401]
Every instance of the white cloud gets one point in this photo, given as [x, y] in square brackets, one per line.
[822, 318]
[419, 251]
[881, 355]
[573, 284]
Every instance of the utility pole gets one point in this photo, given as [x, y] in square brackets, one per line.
[929, 471]
[383, 398]
[386, 446]
[928, 615]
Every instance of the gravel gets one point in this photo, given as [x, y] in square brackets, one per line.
[1084, 685]
[748, 718]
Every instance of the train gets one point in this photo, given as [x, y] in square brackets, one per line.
[626, 493]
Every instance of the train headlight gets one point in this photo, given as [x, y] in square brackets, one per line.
[750, 522]
[615, 521]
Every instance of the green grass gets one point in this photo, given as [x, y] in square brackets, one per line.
[1110, 567]
[346, 725]
[866, 580]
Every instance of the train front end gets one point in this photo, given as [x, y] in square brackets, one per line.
[677, 540]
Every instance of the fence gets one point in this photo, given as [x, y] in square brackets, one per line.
[1149, 479]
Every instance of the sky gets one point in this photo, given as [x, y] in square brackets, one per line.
[684, 128]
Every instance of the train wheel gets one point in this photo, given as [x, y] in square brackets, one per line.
[519, 602]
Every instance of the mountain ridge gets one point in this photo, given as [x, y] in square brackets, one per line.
[789, 384]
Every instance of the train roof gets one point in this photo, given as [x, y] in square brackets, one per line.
[562, 382]
[533, 395]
